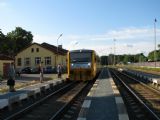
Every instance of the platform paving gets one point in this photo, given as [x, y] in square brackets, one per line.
[102, 102]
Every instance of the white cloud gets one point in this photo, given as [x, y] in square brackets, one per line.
[128, 41]
[126, 33]
[123, 49]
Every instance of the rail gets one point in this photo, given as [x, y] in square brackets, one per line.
[131, 91]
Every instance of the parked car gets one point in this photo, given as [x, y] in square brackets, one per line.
[35, 70]
[26, 70]
[50, 69]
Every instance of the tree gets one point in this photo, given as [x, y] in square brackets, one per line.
[19, 38]
[126, 59]
[104, 60]
[3, 43]
[159, 46]
[151, 56]
[2, 36]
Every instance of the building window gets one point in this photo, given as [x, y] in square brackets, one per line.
[47, 60]
[27, 61]
[32, 50]
[37, 49]
[19, 62]
[37, 60]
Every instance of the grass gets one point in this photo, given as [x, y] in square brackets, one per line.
[4, 89]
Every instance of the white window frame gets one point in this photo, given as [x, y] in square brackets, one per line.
[47, 60]
[27, 61]
[37, 60]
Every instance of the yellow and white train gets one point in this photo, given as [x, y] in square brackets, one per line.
[82, 65]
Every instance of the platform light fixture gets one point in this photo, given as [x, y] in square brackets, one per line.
[114, 51]
[155, 56]
[57, 46]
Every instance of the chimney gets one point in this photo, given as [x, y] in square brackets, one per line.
[59, 46]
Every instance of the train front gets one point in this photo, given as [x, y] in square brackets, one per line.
[80, 65]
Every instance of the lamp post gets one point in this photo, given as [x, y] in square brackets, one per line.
[114, 51]
[128, 53]
[75, 44]
[57, 46]
[155, 56]
[110, 57]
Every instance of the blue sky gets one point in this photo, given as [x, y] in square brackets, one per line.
[89, 24]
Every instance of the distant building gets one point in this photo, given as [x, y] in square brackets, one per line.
[5, 62]
[44, 53]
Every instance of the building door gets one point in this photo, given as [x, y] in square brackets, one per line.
[5, 69]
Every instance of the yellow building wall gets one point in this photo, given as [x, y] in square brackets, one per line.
[42, 53]
[1, 65]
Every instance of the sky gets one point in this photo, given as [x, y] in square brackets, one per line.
[107, 26]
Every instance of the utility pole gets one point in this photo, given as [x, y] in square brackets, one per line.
[155, 56]
[114, 52]
[57, 48]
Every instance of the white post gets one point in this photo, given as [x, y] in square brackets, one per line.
[57, 48]
[155, 56]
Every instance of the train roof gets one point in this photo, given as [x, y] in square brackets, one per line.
[81, 50]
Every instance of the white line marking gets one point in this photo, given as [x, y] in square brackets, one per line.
[119, 99]
[86, 104]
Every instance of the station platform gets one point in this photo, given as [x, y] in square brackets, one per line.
[103, 102]
[7, 99]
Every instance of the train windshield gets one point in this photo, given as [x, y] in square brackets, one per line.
[80, 60]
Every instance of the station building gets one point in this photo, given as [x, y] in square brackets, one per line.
[5, 62]
[45, 54]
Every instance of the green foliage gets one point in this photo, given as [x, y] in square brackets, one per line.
[104, 60]
[15, 41]
[159, 46]
[122, 59]
[20, 38]
[151, 56]
[2, 36]
[126, 59]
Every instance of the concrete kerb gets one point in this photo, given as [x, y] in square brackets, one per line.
[37, 89]
[30, 93]
[13, 99]
[3, 103]
[150, 79]
[154, 81]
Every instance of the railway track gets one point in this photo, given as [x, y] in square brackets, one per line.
[142, 101]
[55, 105]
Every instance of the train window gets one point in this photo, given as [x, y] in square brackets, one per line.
[80, 57]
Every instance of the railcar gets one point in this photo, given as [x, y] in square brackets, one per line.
[82, 65]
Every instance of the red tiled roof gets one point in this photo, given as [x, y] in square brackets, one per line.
[5, 57]
[54, 48]
[47, 46]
